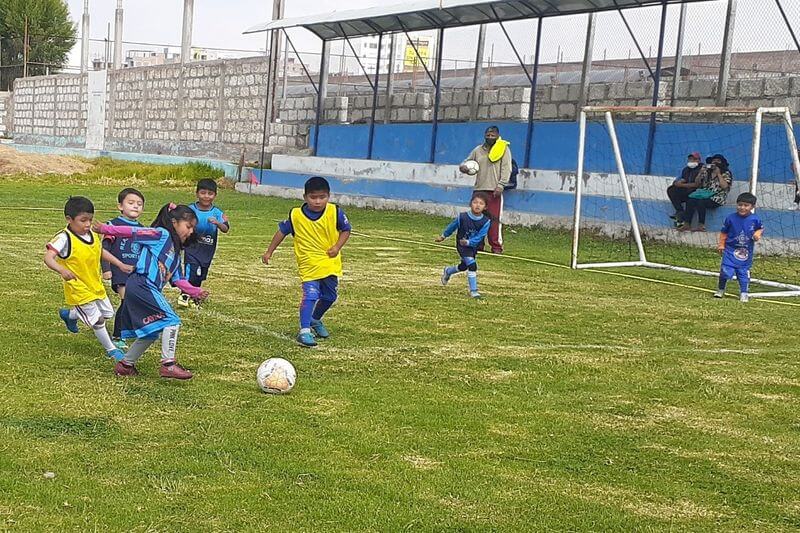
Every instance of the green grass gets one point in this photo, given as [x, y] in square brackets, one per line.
[563, 401]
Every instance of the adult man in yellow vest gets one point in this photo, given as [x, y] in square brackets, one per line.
[494, 162]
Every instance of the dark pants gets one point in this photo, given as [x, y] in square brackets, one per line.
[700, 206]
[678, 196]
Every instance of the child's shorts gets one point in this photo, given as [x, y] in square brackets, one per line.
[95, 311]
[196, 273]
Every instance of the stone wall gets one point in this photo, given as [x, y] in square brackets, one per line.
[5, 113]
[303, 110]
[50, 109]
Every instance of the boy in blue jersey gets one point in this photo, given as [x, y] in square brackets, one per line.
[737, 239]
[471, 228]
[211, 219]
[320, 230]
[130, 203]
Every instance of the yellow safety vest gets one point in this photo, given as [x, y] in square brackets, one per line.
[312, 240]
[83, 260]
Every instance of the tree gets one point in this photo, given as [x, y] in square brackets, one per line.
[51, 35]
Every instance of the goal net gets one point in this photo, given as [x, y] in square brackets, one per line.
[633, 210]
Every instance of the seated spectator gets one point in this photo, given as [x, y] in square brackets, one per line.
[715, 181]
[683, 186]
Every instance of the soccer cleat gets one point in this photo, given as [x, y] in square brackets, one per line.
[125, 369]
[183, 300]
[720, 293]
[744, 297]
[306, 339]
[445, 276]
[71, 323]
[475, 294]
[174, 371]
[119, 343]
[319, 329]
[116, 354]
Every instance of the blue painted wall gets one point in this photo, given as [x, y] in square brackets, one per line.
[555, 145]
[556, 204]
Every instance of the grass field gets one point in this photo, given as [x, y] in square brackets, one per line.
[562, 401]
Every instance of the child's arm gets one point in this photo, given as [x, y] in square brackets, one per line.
[128, 232]
[478, 237]
[106, 266]
[721, 242]
[757, 234]
[276, 240]
[334, 251]
[108, 257]
[222, 224]
[50, 260]
[448, 230]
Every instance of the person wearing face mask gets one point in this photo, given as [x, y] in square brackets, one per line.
[715, 180]
[494, 162]
[684, 185]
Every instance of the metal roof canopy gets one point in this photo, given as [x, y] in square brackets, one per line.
[422, 15]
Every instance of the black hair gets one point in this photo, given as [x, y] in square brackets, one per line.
[724, 162]
[76, 205]
[747, 198]
[206, 184]
[171, 213]
[124, 193]
[485, 197]
[317, 184]
[492, 128]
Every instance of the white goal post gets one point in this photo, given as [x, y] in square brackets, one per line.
[607, 114]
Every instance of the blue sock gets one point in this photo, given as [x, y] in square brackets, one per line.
[472, 279]
[321, 308]
[451, 270]
[306, 309]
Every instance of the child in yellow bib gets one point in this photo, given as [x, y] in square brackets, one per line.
[320, 230]
[74, 253]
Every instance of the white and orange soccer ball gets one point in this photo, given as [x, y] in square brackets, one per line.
[276, 376]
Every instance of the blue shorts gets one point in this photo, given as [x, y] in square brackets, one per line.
[321, 289]
[144, 312]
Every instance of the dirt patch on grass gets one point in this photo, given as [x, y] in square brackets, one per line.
[422, 463]
[15, 162]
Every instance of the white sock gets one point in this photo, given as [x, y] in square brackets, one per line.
[169, 341]
[305, 330]
[102, 335]
[73, 314]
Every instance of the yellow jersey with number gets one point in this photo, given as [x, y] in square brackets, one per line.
[312, 240]
[82, 259]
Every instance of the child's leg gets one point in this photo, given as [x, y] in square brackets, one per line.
[94, 314]
[311, 292]
[472, 273]
[169, 343]
[137, 349]
[117, 331]
[461, 267]
[743, 275]
[328, 295]
[725, 274]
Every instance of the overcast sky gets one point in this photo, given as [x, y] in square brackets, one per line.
[219, 24]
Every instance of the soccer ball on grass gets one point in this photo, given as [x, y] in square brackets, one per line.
[276, 376]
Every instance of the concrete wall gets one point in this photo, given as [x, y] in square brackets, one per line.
[543, 197]
[50, 110]
[5, 113]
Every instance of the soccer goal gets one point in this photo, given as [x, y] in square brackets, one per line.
[623, 215]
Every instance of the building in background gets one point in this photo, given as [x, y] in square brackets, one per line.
[403, 55]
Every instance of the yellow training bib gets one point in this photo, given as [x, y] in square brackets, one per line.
[83, 260]
[312, 240]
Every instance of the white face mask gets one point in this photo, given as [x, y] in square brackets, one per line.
[692, 164]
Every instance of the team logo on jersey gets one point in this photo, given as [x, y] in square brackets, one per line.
[153, 318]
[742, 254]
[136, 248]
[206, 239]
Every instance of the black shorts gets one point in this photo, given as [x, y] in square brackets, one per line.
[196, 273]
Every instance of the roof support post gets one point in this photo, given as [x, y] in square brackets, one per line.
[586, 71]
[371, 140]
[265, 129]
[437, 98]
[387, 112]
[651, 134]
[678, 54]
[322, 92]
[477, 73]
[636, 42]
[532, 102]
[725, 64]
